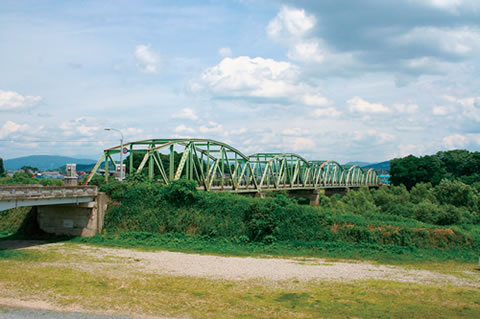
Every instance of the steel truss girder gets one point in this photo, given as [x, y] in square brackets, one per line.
[216, 166]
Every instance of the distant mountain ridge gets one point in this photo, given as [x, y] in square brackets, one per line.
[361, 164]
[382, 167]
[44, 162]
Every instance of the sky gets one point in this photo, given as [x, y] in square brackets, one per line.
[341, 80]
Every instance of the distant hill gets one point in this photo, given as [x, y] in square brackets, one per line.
[44, 162]
[361, 164]
[381, 167]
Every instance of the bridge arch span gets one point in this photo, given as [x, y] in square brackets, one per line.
[280, 170]
[214, 165]
[217, 166]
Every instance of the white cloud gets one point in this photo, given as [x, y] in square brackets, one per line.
[87, 130]
[441, 110]
[184, 129]
[132, 133]
[239, 131]
[254, 77]
[326, 112]
[406, 108]
[294, 131]
[409, 149]
[457, 41]
[80, 126]
[455, 141]
[186, 113]
[432, 65]
[212, 127]
[310, 51]
[302, 143]
[359, 105]
[225, 52]
[453, 5]
[372, 134]
[293, 28]
[469, 107]
[474, 138]
[11, 127]
[12, 101]
[148, 61]
[290, 22]
[259, 78]
[408, 128]
[315, 100]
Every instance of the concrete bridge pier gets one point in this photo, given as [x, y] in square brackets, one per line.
[83, 219]
[312, 195]
[332, 191]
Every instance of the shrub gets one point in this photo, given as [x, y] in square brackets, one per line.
[181, 192]
[456, 193]
[421, 192]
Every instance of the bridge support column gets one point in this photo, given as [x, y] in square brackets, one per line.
[333, 191]
[84, 219]
[260, 195]
[312, 195]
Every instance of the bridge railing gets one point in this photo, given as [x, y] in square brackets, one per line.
[17, 192]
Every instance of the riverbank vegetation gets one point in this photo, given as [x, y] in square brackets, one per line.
[427, 222]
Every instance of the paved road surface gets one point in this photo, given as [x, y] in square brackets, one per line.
[19, 313]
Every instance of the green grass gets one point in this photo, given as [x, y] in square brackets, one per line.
[333, 250]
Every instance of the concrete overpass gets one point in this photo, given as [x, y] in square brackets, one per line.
[68, 210]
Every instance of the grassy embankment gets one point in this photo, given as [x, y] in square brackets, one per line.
[387, 225]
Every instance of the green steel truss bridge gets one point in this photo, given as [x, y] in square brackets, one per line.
[216, 166]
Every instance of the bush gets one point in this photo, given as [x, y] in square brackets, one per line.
[421, 192]
[457, 194]
[24, 178]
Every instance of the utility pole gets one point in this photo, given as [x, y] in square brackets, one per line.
[121, 150]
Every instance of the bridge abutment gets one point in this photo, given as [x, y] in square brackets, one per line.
[84, 219]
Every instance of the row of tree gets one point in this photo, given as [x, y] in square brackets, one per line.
[459, 165]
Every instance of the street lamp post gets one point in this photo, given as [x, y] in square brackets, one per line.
[121, 150]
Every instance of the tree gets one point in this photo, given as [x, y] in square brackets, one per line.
[29, 168]
[453, 165]
[2, 168]
[411, 170]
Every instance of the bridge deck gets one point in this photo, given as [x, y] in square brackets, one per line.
[12, 196]
[272, 187]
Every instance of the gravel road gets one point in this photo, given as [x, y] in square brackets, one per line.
[268, 269]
